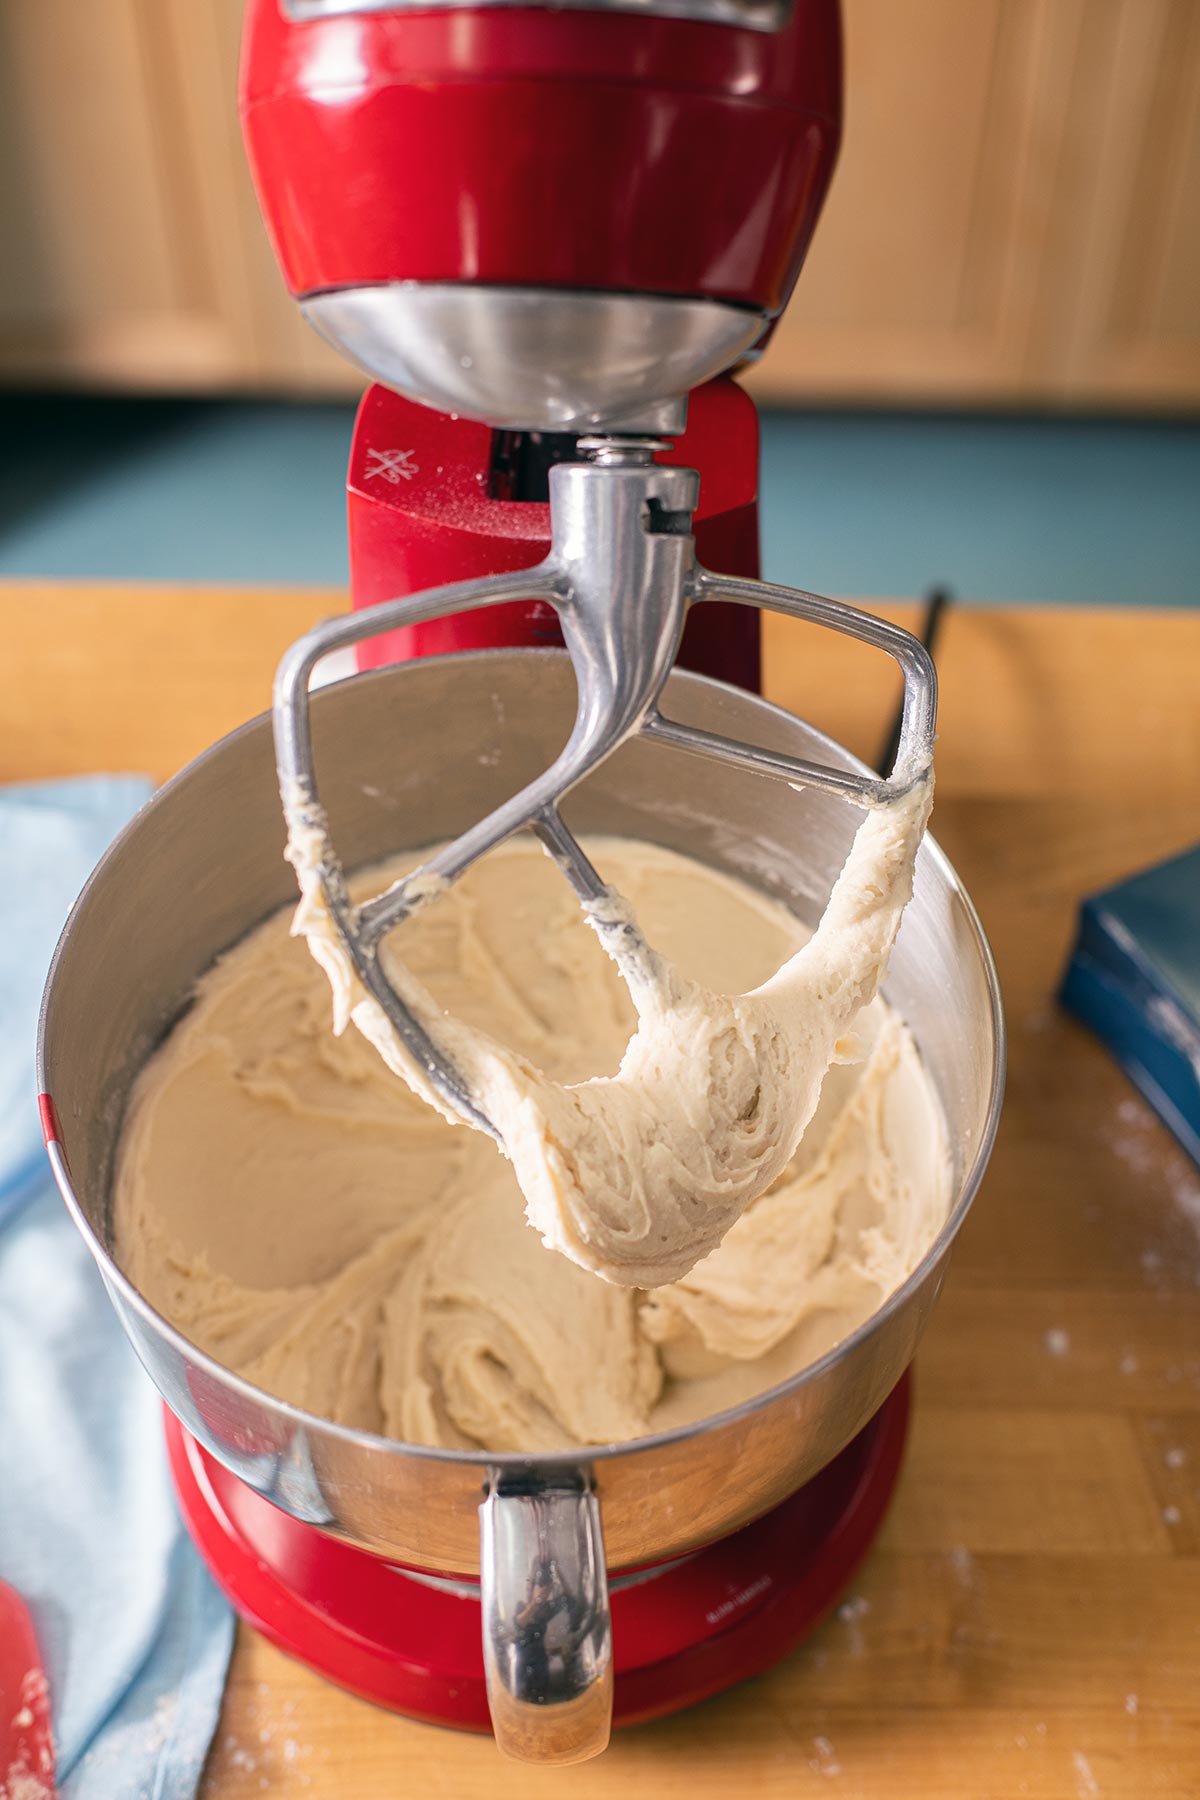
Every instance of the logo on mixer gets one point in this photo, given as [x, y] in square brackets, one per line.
[392, 465]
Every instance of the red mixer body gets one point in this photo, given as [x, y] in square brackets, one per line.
[425, 507]
[544, 147]
[551, 148]
[682, 1631]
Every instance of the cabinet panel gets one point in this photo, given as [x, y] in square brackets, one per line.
[132, 252]
[99, 275]
[922, 282]
[1129, 280]
[197, 50]
[1016, 219]
[892, 247]
[86, 215]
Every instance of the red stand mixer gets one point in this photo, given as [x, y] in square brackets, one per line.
[547, 232]
[538, 226]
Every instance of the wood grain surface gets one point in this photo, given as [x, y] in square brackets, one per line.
[1029, 1623]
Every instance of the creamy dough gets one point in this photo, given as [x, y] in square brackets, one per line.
[638, 1175]
[303, 1217]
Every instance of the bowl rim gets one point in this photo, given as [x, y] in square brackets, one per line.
[584, 1454]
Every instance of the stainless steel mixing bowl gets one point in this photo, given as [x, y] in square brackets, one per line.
[407, 756]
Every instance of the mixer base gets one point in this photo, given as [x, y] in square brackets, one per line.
[681, 1632]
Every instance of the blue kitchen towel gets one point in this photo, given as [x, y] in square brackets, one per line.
[135, 1637]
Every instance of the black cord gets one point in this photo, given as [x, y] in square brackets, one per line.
[936, 602]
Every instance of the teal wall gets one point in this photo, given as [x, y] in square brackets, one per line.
[853, 504]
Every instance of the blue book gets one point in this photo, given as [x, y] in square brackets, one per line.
[1134, 978]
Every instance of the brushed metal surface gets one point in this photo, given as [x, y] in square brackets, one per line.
[528, 359]
[408, 756]
[753, 15]
[547, 1629]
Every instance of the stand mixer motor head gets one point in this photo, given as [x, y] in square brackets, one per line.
[556, 219]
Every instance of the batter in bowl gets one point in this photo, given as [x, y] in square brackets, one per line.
[638, 1175]
[302, 1216]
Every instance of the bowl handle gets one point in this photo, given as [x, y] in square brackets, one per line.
[547, 1634]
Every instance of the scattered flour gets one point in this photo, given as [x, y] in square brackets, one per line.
[851, 1614]
[963, 1564]
[1086, 1784]
[825, 1761]
[1142, 1145]
[270, 1743]
[127, 1744]
[22, 1783]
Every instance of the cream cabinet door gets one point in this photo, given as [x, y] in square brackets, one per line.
[1122, 280]
[131, 252]
[1016, 215]
[921, 279]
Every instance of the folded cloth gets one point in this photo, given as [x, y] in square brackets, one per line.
[134, 1636]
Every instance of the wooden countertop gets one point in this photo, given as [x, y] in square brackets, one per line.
[1029, 1623]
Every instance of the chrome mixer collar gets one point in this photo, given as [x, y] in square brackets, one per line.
[621, 575]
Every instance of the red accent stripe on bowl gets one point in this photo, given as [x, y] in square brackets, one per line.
[51, 1130]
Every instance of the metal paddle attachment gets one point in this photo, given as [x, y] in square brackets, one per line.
[621, 574]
